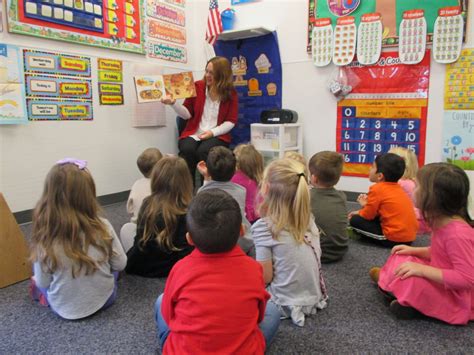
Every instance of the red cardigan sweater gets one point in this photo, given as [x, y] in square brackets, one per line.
[227, 111]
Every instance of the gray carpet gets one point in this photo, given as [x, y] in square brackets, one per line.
[356, 321]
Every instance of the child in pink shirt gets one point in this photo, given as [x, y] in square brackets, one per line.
[444, 272]
[248, 175]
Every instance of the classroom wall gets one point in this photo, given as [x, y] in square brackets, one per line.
[108, 143]
[304, 85]
[111, 145]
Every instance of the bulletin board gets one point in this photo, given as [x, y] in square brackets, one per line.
[384, 110]
[256, 68]
[113, 24]
[391, 11]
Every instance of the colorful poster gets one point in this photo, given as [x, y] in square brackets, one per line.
[165, 31]
[458, 138]
[180, 3]
[109, 75]
[459, 84]
[384, 110]
[67, 96]
[12, 87]
[113, 24]
[256, 66]
[167, 51]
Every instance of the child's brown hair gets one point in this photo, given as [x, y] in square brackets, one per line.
[327, 167]
[249, 161]
[67, 218]
[443, 191]
[147, 160]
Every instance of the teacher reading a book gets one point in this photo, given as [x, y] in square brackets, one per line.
[210, 115]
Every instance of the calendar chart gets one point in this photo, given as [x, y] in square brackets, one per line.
[382, 112]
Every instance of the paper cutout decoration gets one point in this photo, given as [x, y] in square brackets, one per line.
[322, 41]
[369, 39]
[412, 33]
[448, 34]
[345, 35]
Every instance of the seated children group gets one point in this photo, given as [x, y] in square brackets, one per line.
[288, 221]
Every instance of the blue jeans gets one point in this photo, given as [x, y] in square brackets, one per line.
[268, 326]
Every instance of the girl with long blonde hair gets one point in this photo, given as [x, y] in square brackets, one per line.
[248, 174]
[287, 242]
[161, 231]
[74, 251]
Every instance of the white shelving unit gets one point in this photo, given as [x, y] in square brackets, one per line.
[273, 140]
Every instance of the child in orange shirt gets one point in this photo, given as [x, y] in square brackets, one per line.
[387, 214]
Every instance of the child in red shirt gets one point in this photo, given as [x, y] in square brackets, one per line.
[387, 214]
[215, 299]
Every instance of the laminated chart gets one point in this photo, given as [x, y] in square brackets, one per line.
[114, 24]
[383, 111]
[12, 87]
[322, 42]
[448, 35]
[58, 86]
[345, 35]
[412, 35]
[166, 32]
[369, 39]
[459, 84]
[110, 81]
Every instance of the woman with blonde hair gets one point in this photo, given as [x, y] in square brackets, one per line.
[287, 242]
[210, 115]
[74, 251]
[161, 231]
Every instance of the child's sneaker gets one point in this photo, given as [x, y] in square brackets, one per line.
[402, 312]
[374, 274]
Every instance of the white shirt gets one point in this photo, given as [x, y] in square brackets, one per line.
[208, 118]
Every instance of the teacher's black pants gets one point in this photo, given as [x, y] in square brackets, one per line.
[194, 151]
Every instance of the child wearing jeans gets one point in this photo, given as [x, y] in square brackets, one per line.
[248, 173]
[387, 215]
[287, 242]
[437, 281]
[329, 205]
[74, 252]
[215, 299]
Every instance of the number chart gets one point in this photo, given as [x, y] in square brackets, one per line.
[382, 112]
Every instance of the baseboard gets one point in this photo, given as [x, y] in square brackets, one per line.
[105, 200]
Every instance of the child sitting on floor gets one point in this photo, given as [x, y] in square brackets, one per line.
[217, 171]
[215, 300]
[161, 232]
[76, 254]
[141, 188]
[248, 174]
[437, 281]
[287, 242]
[329, 205]
[387, 215]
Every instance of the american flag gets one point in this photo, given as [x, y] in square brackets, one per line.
[214, 22]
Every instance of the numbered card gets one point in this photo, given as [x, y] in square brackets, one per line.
[412, 33]
[369, 39]
[448, 34]
[322, 41]
[345, 35]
